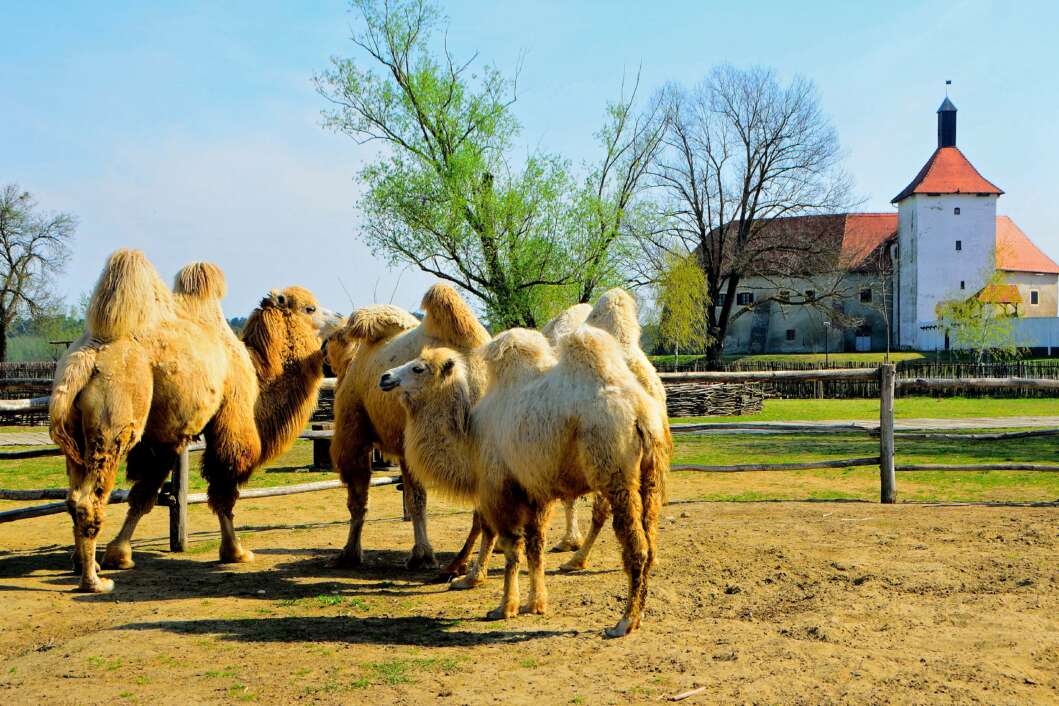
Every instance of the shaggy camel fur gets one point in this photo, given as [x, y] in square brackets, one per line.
[157, 368]
[615, 313]
[374, 339]
[546, 429]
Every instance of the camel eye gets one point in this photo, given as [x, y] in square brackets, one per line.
[310, 309]
[418, 369]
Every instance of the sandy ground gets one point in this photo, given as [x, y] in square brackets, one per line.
[790, 602]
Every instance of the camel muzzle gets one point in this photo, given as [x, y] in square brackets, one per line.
[389, 382]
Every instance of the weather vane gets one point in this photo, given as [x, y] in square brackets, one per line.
[948, 82]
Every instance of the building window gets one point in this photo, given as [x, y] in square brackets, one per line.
[865, 296]
[744, 298]
[785, 296]
[790, 334]
[959, 245]
[956, 211]
[1035, 297]
[720, 299]
[810, 295]
[963, 285]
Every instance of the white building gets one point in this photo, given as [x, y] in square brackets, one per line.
[944, 242]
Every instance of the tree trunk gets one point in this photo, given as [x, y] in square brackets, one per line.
[3, 342]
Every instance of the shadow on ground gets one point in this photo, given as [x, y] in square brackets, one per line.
[435, 632]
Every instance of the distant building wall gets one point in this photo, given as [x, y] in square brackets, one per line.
[1047, 288]
[1041, 334]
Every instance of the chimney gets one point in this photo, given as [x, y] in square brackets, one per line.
[947, 124]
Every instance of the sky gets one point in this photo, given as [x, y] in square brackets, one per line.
[192, 130]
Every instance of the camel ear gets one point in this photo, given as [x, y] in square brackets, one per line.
[447, 367]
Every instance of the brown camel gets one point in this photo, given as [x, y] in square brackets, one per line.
[546, 429]
[374, 339]
[156, 369]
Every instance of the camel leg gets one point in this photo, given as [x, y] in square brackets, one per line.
[479, 569]
[357, 484]
[222, 498]
[600, 513]
[513, 547]
[628, 526]
[148, 466]
[458, 565]
[572, 539]
[87, 500]
[535, 537]
[422, 555]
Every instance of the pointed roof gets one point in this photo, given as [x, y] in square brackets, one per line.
[948, 172]
[946, 105]
[1015, 252]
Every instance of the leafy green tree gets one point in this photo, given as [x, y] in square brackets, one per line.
[982, 325]
[681, 298]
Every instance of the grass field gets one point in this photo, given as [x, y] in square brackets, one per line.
[728, 449]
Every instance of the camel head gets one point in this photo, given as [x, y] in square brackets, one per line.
[339, 348]
[300, 305]
[419, 379]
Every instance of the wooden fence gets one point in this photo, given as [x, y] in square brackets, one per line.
[175, 496]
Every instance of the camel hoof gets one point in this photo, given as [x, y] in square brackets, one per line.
[101, 585]
[571, 566]
[501, 613]
[623, 628]
[118, 558]
[538, 608]
[419, 561]
[237, 556]
[466, 583]
[568, 544]
[347, 560]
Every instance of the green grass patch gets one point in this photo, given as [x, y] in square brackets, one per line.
[325, 600]
[397, 671]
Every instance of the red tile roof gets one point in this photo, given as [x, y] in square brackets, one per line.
[948, 172]
[1015, 252]
[864, 234]
[999, 294]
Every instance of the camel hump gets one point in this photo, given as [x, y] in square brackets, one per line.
[200, 280]
[450, 319]
[593, 351]
[517, 351]
[129, 298]
[616, 313]
[377, 323]
[565, 323]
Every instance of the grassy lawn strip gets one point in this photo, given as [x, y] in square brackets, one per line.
[904, 407]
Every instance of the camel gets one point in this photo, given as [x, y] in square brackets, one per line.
[547, 428]
[157, 368]
[374, 339]
[615, 312]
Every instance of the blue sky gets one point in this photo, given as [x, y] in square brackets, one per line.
[191, 130]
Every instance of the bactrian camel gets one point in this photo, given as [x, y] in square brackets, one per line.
[615, 312]
[546, 429]
[374, 339]
[156, 369]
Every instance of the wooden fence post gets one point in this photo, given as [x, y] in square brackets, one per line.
[887, 477]
[178, 511]
[321, 450]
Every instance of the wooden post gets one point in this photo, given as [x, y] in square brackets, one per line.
[887, 478]
[178, 511]
[321, 450]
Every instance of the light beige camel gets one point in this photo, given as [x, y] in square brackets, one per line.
[157, 368]
[615, 312]
[546, 429]
[374, 339]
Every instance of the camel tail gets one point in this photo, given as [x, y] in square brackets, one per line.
[73, 374]
[129, 298]
[201, 280]
[654, 464]
[450, 319]
[377, 323]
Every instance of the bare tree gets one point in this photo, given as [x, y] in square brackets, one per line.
[741, 151]
[33, 249]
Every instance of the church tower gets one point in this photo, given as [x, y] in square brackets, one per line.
[946, 234]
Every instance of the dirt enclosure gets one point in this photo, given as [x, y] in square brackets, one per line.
[758, 602]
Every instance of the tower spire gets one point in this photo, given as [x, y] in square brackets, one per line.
[947, 121]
